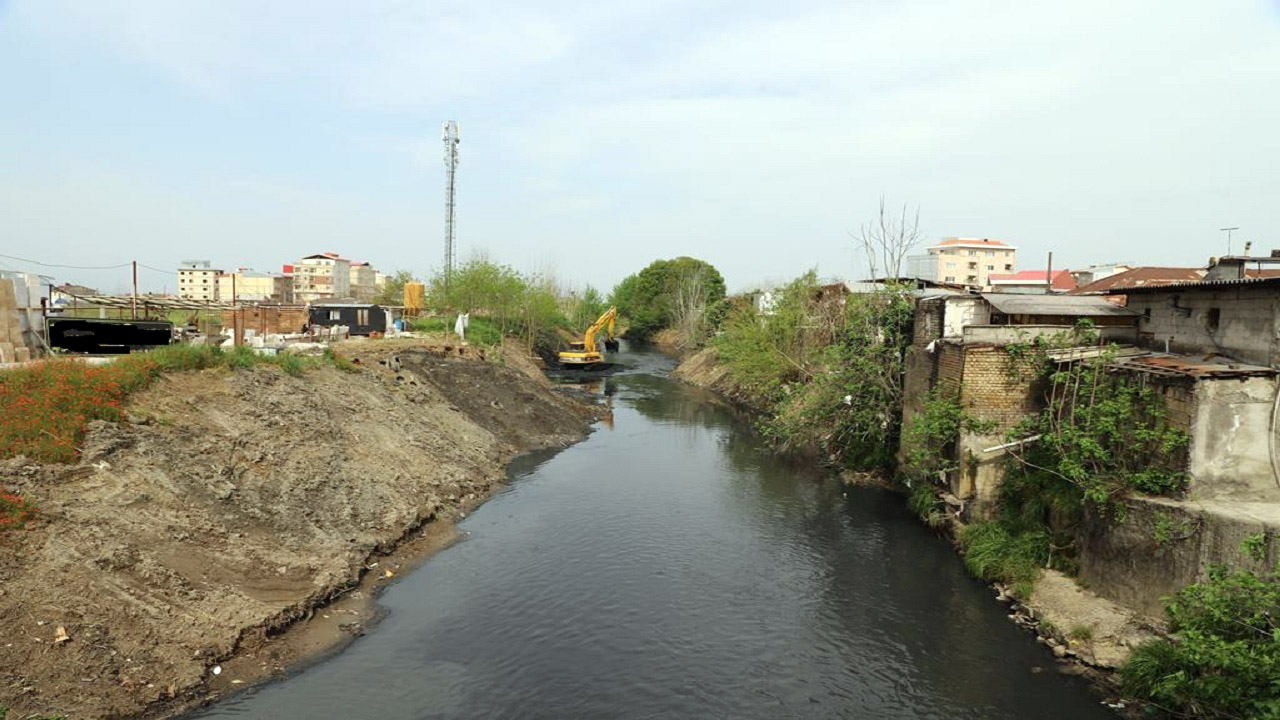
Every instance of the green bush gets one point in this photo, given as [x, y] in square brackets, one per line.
[1223, 660]
[650, 300]
[480, 330]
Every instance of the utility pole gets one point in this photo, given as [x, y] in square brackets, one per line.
[1228, 231]
[134, 303]
[450, 137]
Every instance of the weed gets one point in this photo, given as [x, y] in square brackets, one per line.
[1081, 632]
[1255, 546]
[992, 552]
[15, 512]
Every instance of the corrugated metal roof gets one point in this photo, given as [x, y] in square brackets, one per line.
[1077, 305]
[1141, 277]
[1199, 285]
[1187, 366]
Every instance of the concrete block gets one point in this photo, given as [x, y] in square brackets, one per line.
[22, 354]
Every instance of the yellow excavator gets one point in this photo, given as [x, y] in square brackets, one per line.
[584, 354]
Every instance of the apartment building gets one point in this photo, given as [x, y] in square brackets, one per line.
[364, 281]
[248, 285]
[323, 276]
[964, 261]
[198, 280]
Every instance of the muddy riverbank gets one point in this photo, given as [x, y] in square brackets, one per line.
[234, 504]
[671, 565]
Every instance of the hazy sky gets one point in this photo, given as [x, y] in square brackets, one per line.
[598, 136]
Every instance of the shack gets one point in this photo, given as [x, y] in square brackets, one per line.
[360, 318]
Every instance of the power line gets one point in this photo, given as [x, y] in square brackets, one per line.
[167, 272]
[71, 267]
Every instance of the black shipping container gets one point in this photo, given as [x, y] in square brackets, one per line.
[360, 319]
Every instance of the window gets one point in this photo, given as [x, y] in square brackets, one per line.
[1212, 317]
[362, 316]
[991, 267]
[335, 314]
[973, 252]
[1146, 315]
[949, 278]
[973, 266]
[1008, 266]
[991, 253]
[951, 266]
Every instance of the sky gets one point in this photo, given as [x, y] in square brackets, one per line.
[599, 136]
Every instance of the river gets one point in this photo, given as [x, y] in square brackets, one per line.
[669, 566]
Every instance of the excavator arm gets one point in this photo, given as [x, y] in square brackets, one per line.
[585, 353]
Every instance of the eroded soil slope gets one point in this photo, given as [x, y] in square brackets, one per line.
[232, 503]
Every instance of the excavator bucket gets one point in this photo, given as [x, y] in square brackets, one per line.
[611, 345]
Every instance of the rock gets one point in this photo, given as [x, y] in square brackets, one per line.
[1059, 651]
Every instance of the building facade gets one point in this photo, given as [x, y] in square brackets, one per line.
[198, 280]
[363, 281]
[964, 261]
[252, 286]
[324, 276]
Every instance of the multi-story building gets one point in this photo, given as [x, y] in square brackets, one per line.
[324, 276]
[198, 280]
[964, 261]
[364, 281]
[246, 285]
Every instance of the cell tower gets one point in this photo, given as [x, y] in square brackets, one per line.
[449, 135]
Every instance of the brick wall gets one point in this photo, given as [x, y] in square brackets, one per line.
[991, 391]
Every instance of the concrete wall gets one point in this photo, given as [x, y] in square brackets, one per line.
[962, 311]
[1125, 562]
[1231, 434]
[1248, 322]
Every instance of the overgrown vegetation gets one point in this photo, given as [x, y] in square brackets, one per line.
[1223, 660]
[527, 306]
[44, 408]
[825, 367]
[995, 550]
[15, 511]
[670, 294]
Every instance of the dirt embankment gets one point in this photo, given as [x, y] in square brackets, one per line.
[233, 504]
[704, 370]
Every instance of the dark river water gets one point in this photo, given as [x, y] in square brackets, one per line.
[671, 567]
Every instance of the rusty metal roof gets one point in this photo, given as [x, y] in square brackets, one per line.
[1072, 305]
[1198, 285]
[1189, 366]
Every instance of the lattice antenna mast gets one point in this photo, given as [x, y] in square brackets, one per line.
[449, 135]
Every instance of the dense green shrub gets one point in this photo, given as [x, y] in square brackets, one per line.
[668, 293]
[1223, 660]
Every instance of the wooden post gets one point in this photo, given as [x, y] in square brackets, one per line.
[135, 290]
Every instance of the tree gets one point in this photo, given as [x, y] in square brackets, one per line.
[651, 298]
[392, 291]
[586, 308]
[886, 242]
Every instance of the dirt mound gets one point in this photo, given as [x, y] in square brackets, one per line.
[234, 502]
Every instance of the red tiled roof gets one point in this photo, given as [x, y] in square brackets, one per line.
[971, 241]
[1062, 279]
[1141, 277]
